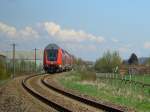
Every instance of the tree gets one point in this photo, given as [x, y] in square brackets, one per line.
[109, 62]
[133, 59]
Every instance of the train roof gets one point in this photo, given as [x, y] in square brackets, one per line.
[55, 46]
[67, 52]
[52, 46]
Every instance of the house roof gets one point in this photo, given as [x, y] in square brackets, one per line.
[1, 55]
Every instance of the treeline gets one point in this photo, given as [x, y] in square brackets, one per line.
[111, 62]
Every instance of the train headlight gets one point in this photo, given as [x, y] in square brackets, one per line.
[60, 66]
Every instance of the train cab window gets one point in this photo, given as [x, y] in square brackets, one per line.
[52, 54]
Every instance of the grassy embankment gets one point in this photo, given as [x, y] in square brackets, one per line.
[115, 91]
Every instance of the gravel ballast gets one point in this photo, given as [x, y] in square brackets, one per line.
[14, 98]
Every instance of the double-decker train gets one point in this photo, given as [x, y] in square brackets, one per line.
[56, 59]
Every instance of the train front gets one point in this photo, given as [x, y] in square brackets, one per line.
[52, 58]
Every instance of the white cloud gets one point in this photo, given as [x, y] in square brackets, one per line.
[11, 31]
[53, 29]
[147, 45]
[8, 30]
[56, 31]
[28, 32]
[81, 47]
[115, 40]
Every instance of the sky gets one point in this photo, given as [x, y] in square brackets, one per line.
[85, 28]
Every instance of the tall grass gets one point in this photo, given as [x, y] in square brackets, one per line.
[87, 75]
[115, 91]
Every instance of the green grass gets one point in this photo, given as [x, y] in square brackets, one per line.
[115, 91]
[140, 78]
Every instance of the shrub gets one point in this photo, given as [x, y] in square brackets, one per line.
[108, 63]
[87, 75]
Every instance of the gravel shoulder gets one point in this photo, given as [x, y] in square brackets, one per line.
[14, 98]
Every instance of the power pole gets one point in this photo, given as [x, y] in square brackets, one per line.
[35, 57]
[13, 75]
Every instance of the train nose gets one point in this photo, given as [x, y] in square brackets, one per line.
[52, 62]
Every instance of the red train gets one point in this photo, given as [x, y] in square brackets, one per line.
[56, 59]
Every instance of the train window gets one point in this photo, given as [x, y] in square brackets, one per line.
[52, 54]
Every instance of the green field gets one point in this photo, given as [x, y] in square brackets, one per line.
[139, 78]
[115, 91]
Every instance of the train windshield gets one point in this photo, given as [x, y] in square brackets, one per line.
[52, 54]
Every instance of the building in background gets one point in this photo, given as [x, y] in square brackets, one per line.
[2, 58]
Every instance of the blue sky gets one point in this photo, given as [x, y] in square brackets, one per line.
[86, 28]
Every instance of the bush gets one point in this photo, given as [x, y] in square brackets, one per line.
[108, 63]
[87, 75]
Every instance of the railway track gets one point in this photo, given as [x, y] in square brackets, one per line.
[42, 98]
[90, 102]
[53, 99]
[93, 105]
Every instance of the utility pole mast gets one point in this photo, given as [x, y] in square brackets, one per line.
[13, 75]
[35, 57]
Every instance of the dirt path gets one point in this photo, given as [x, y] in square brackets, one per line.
[13, 98]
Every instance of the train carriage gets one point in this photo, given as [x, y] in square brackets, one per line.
[56, 59]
